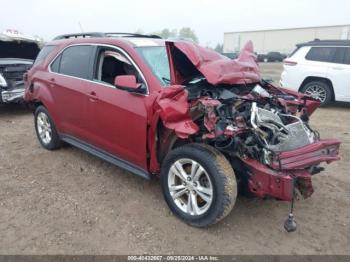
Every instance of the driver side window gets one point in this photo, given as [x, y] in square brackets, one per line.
[111, 63]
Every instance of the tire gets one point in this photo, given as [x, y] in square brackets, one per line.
[217, 178]
[45, 129]
[317, 88]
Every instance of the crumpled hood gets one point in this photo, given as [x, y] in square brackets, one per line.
[217, 69]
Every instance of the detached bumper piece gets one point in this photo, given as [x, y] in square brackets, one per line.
[307, 156]
[14, 95]
[292, 168]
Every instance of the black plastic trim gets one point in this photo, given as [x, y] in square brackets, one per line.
[325, 43]
[101, 34]
[105, 156]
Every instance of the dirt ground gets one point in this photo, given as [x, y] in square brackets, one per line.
[69, 202]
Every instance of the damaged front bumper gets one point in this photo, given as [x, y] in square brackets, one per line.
[12, 96]
[291, 169]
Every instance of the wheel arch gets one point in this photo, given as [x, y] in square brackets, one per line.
[167, 141]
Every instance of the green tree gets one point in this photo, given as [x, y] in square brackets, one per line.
[166, 33]
[219, 48]
[187, 32]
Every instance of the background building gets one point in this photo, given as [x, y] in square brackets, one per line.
[282, 40]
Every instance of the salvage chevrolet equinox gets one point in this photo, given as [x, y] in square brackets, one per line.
[205, 124]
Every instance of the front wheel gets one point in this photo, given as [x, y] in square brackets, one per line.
[319, 91]
[199, 184]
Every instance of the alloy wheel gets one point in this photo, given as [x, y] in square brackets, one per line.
[190, 187]
[316, 92]
[44, 128]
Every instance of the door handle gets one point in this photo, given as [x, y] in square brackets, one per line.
[93, 96]
[52, 82]
[338, 68]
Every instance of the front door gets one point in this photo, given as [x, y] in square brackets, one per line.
[118, 118]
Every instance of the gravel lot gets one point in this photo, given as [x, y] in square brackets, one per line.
[69, 202]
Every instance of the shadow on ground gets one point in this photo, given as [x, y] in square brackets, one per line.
[15, 109]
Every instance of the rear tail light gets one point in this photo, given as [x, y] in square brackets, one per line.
[290, 63]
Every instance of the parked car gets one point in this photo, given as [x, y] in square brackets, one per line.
[200, 121]
[320, 69]
[233, 55]
[271, 57]
[17, 54]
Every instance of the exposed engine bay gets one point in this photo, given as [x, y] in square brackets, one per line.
[252, 124]
[262, 129]
[265, 132]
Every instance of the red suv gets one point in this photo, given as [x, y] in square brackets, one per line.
[200, 121]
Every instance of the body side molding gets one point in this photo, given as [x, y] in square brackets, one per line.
[105, 156]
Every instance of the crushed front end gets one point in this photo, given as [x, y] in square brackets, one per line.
[263, 130]
[266, 134]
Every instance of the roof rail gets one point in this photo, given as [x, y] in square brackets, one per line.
[118, 34]
[100, 34]
[331, 42]
[78, 35]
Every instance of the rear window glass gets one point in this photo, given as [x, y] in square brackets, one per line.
[347, 56]
[76, 61]
[55, 66]
[339, 55]
[44, 53]
[321, 54]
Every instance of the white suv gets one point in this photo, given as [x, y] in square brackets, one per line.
[320, 69]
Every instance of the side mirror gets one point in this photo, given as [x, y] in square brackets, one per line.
[127, 82]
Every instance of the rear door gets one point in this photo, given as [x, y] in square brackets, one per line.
[69, 80]
[339, 73]
[318, 61]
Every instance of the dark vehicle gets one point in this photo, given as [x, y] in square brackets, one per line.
[205, 124]
[16, 57]
[231, 55]
[271, 57]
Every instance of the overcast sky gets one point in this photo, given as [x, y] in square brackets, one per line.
[209, 18]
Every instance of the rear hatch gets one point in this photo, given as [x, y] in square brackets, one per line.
[16, 57]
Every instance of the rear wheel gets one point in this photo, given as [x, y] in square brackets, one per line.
[45, 129]
[318, 90]
[199, 184]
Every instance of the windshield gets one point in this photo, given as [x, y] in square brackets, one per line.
[157, 59]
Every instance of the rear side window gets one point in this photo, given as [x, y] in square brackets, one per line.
[55, 66]
[347, 56]
[75, 61]
[44, 53]
[339, 55]
[321, 54]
